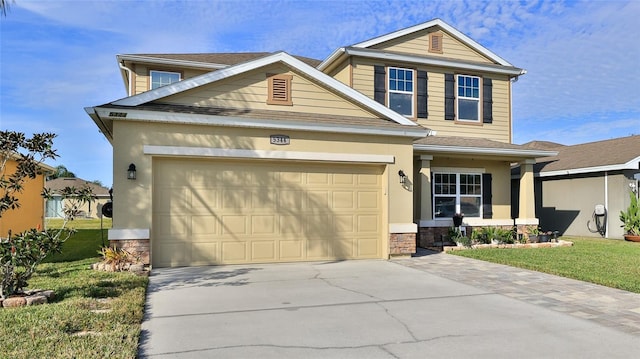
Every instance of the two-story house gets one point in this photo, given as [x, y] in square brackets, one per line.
[268, 157]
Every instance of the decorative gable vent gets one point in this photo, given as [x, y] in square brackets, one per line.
[435, 43]
[279, 90]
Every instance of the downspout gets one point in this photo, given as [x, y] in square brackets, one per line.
[129, 79]
[606, 203]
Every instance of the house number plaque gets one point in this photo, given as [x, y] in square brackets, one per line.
[280, 140]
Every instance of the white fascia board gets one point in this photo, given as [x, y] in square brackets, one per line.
[231, 121]
[208, 78]
[182, 151]
[432, 61]
[171, 62]
[448, 28]
[331, 59]
[484, 151]
[631, 165]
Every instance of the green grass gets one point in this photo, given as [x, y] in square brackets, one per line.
[612, 263]
[79, 223]
[70, 326]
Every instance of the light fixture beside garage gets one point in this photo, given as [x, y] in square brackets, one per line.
[131, 172]
[403, 177]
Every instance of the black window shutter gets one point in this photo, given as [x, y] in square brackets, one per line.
[487, 101]
[422, 95]
[449, 97]
[487, 208]
[379, 85]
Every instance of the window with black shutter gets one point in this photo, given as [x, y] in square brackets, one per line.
[449, 97]
[379, 84]
[421, 96]
[487, 101]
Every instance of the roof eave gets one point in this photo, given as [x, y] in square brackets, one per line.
[487, 151]
[171, 62]
[103, 113]
[432, 61]
[630, 165]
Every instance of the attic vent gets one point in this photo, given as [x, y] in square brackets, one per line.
[279, 90]
[435, 43]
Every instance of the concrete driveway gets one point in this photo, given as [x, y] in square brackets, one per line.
[355, 309]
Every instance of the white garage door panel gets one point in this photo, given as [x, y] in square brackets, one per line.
[224, 212]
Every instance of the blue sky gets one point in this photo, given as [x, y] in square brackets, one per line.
[57, 57]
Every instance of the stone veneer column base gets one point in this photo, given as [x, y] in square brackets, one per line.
[402, 244]
[137, 247]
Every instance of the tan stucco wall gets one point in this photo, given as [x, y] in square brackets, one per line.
[501, 181]
[30, 214]
[567, 204]
[132, 199]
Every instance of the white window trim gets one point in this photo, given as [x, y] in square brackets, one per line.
[412, 93]
[479, 99]
[151, 72]
[474, 171]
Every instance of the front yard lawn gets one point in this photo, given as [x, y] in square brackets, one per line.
[613, 263]
[94, 315]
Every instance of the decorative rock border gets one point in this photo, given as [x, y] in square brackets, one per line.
[30, 297]
[137, 268]
[559, 243]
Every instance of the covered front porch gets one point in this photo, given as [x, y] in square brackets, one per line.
[470, 178]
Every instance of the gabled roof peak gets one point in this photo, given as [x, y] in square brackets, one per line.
[443, 25]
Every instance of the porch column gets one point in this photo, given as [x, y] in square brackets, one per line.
[527, 210]
[425, 188]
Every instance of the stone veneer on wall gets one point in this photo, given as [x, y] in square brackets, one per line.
[402, 244]
[138, 247]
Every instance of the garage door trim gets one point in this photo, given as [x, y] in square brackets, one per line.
[263, 154]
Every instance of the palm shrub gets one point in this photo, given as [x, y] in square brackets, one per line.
[631, 216]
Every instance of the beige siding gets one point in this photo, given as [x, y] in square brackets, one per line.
[418, 44]
[499, 130]
[342, 73]
[142, 79]
[250, 91]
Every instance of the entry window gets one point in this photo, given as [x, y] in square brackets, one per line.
[163, 78]
[468, 98]
[457, 193]
[401, 90]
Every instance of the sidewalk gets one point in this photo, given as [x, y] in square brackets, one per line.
[610, 307]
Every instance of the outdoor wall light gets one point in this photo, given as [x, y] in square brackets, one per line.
[131, 172]
[403, 177]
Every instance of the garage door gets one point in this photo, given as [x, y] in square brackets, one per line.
[225, 212]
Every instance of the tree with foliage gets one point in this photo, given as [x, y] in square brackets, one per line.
[4, 6]
[20, 254]
[61, 172]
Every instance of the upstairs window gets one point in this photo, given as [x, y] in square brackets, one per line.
[401, 90]
[279, 90]
[468, 98]
[163, 78]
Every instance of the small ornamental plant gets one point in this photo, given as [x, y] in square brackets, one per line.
[20, 254]
[631, 217]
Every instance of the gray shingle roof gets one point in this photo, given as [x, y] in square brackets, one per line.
[224, 58]
[617, 151]
[60, 183]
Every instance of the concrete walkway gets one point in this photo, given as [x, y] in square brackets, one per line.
[406, 308]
